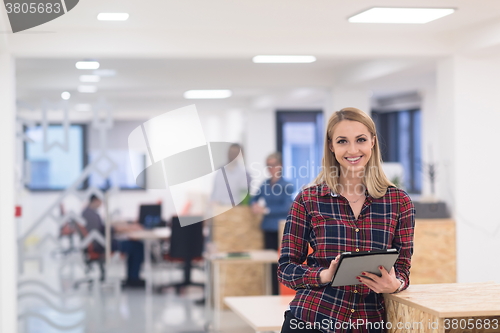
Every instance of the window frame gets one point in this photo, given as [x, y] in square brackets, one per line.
[84, 186]
[300, 115]
[388, 156]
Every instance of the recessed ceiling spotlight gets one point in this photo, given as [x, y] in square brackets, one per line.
[83, 107]
[90, 78]
[207, 94]
[112, 16]
[283, 59]
[400, 15]
[87, 64]
[65, 95]
[87, 89]
[104, 72]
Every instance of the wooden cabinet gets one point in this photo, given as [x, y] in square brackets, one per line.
[238, 230]
[434, 252]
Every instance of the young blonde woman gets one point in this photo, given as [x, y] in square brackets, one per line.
[353, 207]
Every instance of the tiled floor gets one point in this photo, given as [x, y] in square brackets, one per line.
[48, 303]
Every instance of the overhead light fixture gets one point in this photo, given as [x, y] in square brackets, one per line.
[207, 94]
[400, 15]
[283, 59]
[104, 72]
[87, 89]
[112, 16]
[65, 95]
[87, 64]
[83, 107]
[90, 78]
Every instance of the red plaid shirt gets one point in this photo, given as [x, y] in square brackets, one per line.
[325, 221]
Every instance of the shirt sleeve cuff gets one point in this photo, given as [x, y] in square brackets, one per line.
[314, 279]
[402, 279]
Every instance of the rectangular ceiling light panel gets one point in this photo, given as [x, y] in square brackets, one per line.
[283, 59]
[207, 94]
[90, 78]
[112, 16]
[88, 64]
[87, 89]
[400, 15]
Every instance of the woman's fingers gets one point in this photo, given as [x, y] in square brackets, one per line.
[369, 275]
[379, 284]
[370, 284]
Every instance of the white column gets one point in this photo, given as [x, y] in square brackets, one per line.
[468, 118]
[261, 141]
[342, 97]
[430, 138]
[8, 237]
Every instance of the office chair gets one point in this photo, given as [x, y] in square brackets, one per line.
[186, 246]
[67, 230]
[91, 255]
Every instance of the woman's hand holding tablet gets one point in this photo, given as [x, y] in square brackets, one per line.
[326, 275]
[387, 283]
[353, 265]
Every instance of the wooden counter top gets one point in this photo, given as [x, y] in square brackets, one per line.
[262, 313]
[450, 300]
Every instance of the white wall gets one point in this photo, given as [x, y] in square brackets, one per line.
[430, 140]
[8, 245]
[468, 118]
[260, 141]
[350, 97]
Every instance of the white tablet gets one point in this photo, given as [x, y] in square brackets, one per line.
[352, 264]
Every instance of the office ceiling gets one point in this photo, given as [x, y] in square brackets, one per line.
[167, 47]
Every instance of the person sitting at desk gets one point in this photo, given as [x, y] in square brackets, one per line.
[133, 249]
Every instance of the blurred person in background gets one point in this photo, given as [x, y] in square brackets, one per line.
[236, 175]
[132, 248]
[273, 201]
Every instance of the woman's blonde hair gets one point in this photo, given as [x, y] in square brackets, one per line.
[374, 178]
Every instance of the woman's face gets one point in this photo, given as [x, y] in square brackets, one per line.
[352, 145]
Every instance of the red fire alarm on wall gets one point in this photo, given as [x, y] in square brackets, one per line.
[19, 211]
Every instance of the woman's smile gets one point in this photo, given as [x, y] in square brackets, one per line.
[353, 160]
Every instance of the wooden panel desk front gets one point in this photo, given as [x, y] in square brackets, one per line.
[448, 307]
[249, 271]
[434, 252]
[237, 229]
[256, 268]
[262, 313]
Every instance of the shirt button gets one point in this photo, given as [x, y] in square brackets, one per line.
[355, 291]
[357, 230]
[357, 250]
[352, 310]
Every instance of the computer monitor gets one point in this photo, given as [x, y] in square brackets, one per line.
[150, 216]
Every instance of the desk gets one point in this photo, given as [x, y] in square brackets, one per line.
[262, 313]
[148, 236]
[432, 308]
[217, 266]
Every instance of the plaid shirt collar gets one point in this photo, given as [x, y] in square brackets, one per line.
[324, 190]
